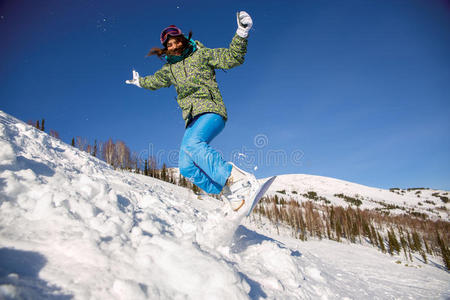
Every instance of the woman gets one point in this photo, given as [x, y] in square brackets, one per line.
[191, 68]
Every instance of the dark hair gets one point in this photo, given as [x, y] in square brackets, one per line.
[163, 51]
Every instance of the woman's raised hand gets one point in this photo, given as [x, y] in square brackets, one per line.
[245, 23]
[135, 79]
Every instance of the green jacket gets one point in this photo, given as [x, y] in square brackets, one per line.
[194, 78]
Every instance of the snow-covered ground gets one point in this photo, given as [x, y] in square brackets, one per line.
[72, 227]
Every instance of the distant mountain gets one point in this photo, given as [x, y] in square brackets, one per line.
[325, 190]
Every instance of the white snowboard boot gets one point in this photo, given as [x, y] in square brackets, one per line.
[239, 188]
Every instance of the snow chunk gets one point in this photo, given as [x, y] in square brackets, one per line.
[7, 155]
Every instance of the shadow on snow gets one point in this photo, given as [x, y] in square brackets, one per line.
[20, 269]
[244, 238]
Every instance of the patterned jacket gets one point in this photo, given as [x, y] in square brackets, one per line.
[194, 78]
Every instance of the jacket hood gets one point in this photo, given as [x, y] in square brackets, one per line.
[199, 45]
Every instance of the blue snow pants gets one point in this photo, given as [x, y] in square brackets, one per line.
[198, 161]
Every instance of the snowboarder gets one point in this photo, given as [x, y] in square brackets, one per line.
[190, 68]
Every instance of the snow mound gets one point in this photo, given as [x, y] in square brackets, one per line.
[101, 233]
[72, 227]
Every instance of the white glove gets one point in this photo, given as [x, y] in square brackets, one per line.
[245, 22]
[135, 79]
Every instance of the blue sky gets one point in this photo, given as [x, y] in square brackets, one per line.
[353, 89]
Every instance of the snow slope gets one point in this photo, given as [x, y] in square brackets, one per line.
[424, 201]
[72, 227]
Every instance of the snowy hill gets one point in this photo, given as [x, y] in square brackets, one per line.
[72, 227]
[433, 203]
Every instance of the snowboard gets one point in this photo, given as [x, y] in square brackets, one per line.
[260, 193]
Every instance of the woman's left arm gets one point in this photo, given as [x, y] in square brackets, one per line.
[152, 82]
[156, 81]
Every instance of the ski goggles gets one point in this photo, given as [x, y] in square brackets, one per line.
[172, 30]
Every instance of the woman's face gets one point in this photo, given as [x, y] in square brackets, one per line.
[174, 46]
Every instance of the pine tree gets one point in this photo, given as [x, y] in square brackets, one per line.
[445, 252]
[42, 125]
[410, 243]
[338, 231]
[73, 142]
[136, 167]
[390, 246]
[355, 232]
[146, 168]
[366, 231]
[37, 125]
[396, 244]
[303, 235]
[427, 248]
[392, 242]
[332, 219]
[381, 243]
[348, 225]
[94, 153]
[164, 172]
[404, 246]
[374, 235]
[195, 189]
[330, 237]
[416, 241]
[171, 178]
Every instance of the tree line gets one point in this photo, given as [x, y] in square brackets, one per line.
[41, 126]
[393, 234]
